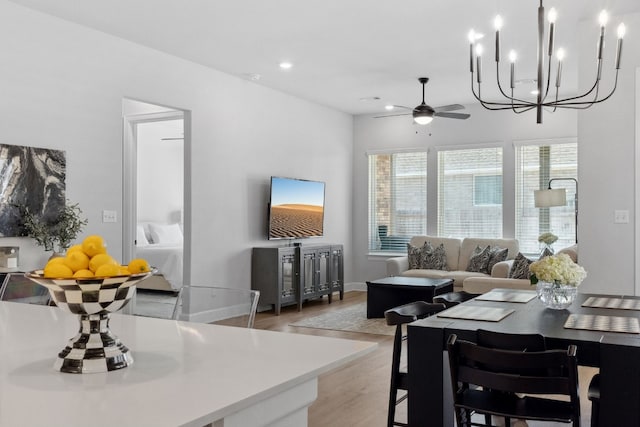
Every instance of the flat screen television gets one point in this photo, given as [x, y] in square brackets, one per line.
[296, 208]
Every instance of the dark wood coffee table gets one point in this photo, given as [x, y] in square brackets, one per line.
[389, 292]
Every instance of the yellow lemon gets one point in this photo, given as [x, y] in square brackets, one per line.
[74, 248]
[76, 260]
[108, 270]
[83, 274]
[99, 260]
[138, 265]
[93, 245]
[124, 271]
[57, 271]
[56, 260]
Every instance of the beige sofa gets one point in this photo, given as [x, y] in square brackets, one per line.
[458, 253]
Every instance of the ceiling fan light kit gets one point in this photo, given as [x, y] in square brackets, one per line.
[423, 114]
[543, 81]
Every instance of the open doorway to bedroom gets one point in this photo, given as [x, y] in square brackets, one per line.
[154, 202]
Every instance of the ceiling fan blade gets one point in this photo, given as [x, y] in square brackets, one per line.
[392, 115]
[451, 107]
[453, 115]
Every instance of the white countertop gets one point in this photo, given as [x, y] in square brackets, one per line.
[183, 373]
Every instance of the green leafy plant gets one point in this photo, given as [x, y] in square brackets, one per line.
[57, 234]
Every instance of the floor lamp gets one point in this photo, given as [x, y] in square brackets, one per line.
[556, 197]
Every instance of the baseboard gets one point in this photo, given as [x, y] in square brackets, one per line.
[355, 286]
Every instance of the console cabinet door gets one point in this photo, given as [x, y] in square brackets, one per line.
[308, 274]
[288, 284]
[337, 270]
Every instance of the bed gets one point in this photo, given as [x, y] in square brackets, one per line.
[161, 245]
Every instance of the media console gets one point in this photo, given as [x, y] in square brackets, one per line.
[294, 274]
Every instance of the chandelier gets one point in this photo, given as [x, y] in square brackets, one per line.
[543, 81]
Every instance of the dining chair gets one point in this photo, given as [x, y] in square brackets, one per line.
[594, 396]
[399, 316]
[17, 288]
[152, 303]
[489, 381]
[216, 304]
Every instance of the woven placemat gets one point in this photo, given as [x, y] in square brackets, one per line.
[591, 322]
[611, 302]
[507, 296]
[470, 312]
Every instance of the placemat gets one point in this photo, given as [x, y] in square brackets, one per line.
[593, 322]
[616, 303]
[507, 296]
[470, 312]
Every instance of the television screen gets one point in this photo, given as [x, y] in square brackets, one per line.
[296, 208]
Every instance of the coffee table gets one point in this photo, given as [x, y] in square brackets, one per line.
[389, 292]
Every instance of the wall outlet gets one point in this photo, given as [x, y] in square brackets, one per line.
[621, 217]
[109, 216]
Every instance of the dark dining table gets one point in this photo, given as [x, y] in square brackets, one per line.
[617, 354]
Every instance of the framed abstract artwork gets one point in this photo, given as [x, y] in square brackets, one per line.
[31, 177]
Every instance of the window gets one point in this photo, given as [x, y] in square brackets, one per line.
[470, 192]
[536, 164]
[397, 200]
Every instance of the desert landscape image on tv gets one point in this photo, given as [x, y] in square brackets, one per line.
[297, 208]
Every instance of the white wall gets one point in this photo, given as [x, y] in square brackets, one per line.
[607, 167]
[483, 126]
[62, 87]
[160, 178]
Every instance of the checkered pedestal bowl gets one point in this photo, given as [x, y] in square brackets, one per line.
[95, 348]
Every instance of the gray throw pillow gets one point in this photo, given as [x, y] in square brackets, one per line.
[479, 259]
[414, 255]
[497, 255]
[520, 267]
[434, 258]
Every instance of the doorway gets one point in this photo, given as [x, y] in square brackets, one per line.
[155, 223]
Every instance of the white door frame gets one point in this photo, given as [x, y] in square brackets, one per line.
[129, 205]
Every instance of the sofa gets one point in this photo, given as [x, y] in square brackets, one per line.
[458, 252]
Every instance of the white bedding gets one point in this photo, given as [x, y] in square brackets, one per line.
[166, 258]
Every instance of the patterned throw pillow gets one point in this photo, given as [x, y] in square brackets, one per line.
[414, 254]
[497, 255]
[520, 267]
[479, 259]
[434, 258]
[546, 252]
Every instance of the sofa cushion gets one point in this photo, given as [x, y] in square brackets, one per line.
[451, 248]
[434, 258]
[572, 251]
[457, 276]
[479, 259]
[481, 285]
[520, 268]
[414, 255]
[469, 244]
[497, 255]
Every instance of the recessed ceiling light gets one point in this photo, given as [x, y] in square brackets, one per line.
[286, 65]
[534, 92]
[388, 107]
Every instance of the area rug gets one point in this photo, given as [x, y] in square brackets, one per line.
[351, 319]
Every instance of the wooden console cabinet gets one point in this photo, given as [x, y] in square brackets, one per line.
[294, 274]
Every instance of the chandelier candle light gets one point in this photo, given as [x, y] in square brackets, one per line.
[519, 105]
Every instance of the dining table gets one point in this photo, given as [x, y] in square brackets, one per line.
[605, 329]
[184, 373]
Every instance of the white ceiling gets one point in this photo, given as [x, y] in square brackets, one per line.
[342, 50]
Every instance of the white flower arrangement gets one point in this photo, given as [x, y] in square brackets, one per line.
[558, 269]
[547, 238]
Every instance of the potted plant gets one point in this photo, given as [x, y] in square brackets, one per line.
[56, 235]
[556, 278]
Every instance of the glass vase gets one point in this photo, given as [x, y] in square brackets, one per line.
[555, 295]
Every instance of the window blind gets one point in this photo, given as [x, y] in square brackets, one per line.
[535, 166]
[470, 192]
[397, 200]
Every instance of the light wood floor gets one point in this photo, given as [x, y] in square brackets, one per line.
[356, 395]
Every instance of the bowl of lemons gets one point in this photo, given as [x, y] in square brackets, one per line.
[90, 283]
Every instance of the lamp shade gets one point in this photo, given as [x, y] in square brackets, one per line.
[550, 197]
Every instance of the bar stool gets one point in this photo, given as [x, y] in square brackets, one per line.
[594, 397]
[454, 298]
[399, 316]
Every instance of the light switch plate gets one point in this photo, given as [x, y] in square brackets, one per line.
[109, 216]
[621, 217]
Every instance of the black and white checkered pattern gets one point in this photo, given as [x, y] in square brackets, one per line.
[94, 348]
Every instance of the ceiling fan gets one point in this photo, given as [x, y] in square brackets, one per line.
[423, 113]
